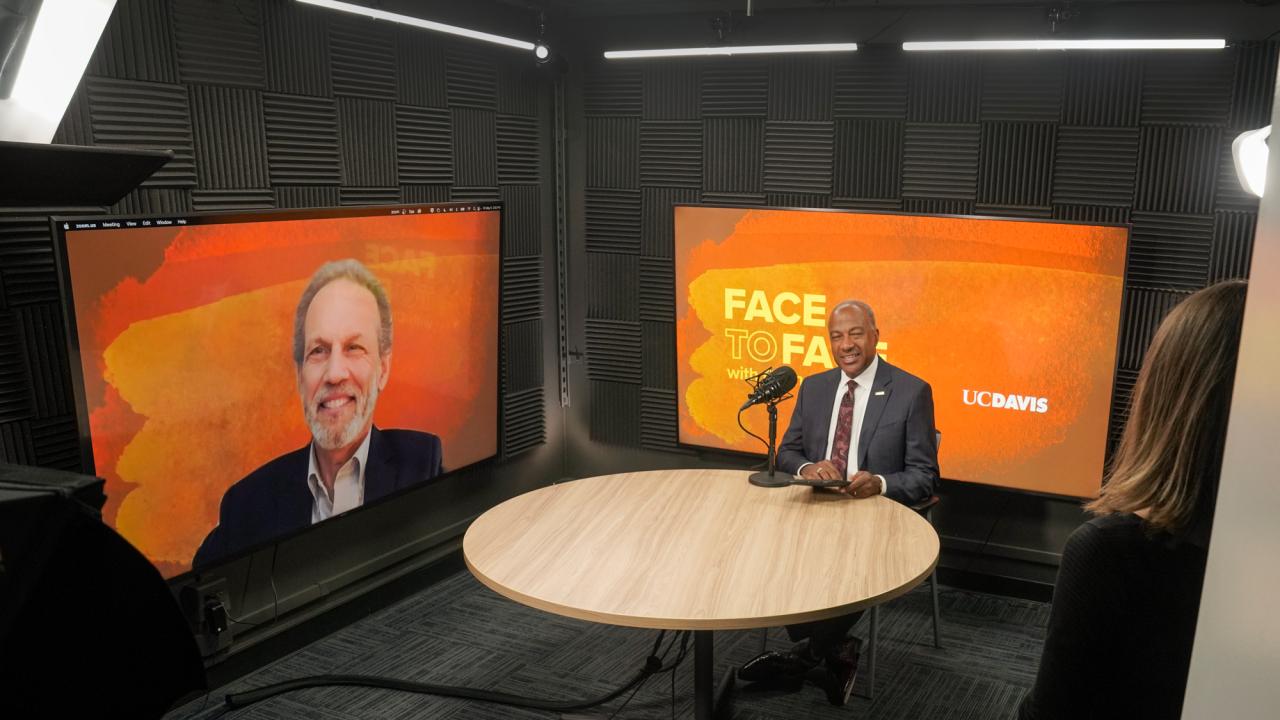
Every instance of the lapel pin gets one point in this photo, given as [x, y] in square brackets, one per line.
[879, 392]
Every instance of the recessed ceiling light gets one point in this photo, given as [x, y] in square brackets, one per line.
[1115, 44]
[420, 23]
[730, 50]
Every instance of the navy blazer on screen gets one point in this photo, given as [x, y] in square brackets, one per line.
[897, 439]
[274, 499]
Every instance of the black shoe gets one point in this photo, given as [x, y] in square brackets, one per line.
[781, 668]
[842, 670]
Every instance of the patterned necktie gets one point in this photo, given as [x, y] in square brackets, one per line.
[844, 429]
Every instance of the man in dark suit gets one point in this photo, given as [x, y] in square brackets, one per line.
[870, 425]
[342, 352]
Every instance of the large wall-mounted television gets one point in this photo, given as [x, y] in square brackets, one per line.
[1014, 323]
[223, 403]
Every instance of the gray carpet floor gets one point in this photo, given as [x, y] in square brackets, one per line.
[459, 632]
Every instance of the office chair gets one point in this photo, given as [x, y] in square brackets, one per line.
[925, 508]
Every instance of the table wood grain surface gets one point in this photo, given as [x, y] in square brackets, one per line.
[697, 550]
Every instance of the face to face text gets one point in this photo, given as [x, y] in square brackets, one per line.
[342, 371]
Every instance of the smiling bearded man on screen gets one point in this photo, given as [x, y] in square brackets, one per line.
[342, 352]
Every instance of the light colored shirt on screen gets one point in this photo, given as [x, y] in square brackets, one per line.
[860, 397]
[348, 486]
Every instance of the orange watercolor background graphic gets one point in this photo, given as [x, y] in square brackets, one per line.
[186, 349]
[1024, 308]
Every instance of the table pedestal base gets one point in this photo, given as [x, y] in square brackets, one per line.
[710, 702]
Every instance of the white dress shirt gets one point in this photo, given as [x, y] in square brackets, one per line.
[348, 486]
[861, 395]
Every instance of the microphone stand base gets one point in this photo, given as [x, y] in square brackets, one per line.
[770, 479]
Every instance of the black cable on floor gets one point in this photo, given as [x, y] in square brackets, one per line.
[653, 666]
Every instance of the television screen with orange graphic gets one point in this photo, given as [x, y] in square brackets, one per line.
[1013, 323]
[238, 378]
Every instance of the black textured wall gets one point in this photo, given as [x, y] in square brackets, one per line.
[269, 104]
[1140, 138]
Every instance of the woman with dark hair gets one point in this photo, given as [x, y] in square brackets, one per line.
[1128, 590]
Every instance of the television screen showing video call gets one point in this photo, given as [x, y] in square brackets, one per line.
[244, 376]
[1014, 324]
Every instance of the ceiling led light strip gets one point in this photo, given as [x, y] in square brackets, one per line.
[948, 45]
[420, 23]
[730, 50]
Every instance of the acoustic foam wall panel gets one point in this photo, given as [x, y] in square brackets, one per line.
[1187, 88]
[944, 88]
[938, 206]
[1030, 89]
[1104, 214]
[229, 137]
[613, 90]
[733, 157]
[940, 161]
[137, 44]
[302, 140]
[797, 156]
[735, 88]
[357, 196]
[41, 341]
[219, 43]
[521, 221]
[618, 297]
[657, 236]
[613, 347]
[76, 127]
[523, 420]
[234, 199]
[306, 196]
[670, 153]
[146, 201]
[518, 150]
[1255, 81]
[868, 204]
[26, 255]
[658, 418]
[612, 222]
[1016, 164]
[657, 290]
[871, 83]
[1103, 90]
[1232, 249]
[615, 412]
[868, 159]
[734, 199]
[362, 59]
[800, 88]
[16, 443]
[658, 340]
[1229, 193]
[1168, 251]
[421, 194]
[1013, 211]
[518, 89]
[15, 397]
[421, 69]
[797, 200]
[1143, 311]
[672, 91]
[424, 145]
[1177, 169]
[613, 152]
[1121, 394]
[471, 78]
[458, 193]
[1095, 165]
[296, 47]
[521, 289]
[367, 130]
[146, 115]
[523, 340]
[475, 156]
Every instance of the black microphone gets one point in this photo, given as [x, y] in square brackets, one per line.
[772, 386]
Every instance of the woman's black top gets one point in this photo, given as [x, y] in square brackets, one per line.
[1122, 624]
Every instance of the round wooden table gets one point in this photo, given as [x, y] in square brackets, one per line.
[698, 550]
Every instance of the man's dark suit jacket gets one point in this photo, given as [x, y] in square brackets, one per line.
[274, 499]
[897, 438]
